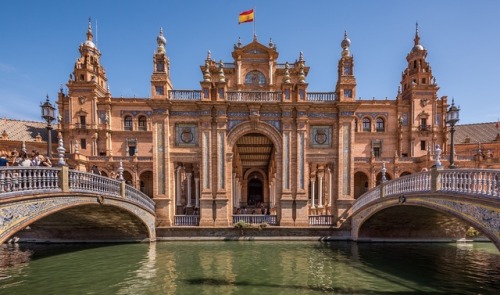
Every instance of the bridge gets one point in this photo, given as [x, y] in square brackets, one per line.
[40, 203]
[470, 195]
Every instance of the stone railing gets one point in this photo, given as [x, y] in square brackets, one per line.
[478, 182]
[256, 219]
[118, 158]
[321, 96]
[253, 96]
[321, 220]
[184, 94]
[15, 180]
[35, 180]
[186, 220]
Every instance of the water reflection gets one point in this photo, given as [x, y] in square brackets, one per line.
[256, 268]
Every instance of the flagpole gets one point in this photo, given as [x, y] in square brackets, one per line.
[254, 20]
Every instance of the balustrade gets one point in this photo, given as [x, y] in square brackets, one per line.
[255, 219]
[321, 220]
[479, 182]
[253, 96]
[184, 94]
[321, 96]
[34, 180]
[186, 220]
[15, 179]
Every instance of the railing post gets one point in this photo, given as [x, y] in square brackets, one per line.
[382, 190]
[122, 188]
[436, 178]
[64, 179]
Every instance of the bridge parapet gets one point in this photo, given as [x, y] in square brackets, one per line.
[18, 181]
[478, 182]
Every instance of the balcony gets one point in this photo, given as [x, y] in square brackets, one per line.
[186, 220]
[256, 219]
[425, 128]
[327, 220]
[253, 96]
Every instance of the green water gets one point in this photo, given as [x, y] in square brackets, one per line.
[251, 268]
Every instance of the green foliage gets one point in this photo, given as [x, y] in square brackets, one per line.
[472, 232]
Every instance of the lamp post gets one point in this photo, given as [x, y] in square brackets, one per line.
[48, 115]
[452, 117]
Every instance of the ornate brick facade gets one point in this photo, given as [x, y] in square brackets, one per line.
[252, 138]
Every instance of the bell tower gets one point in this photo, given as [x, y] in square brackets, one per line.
[88, 68]
[160, 79]
[346, 83]
[420, 110]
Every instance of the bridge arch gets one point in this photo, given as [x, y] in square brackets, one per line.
[18, 215]
[470, 196]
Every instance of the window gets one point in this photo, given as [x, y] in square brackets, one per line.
[127, 123]
[380, 125]
[423, 145]
[160, 67]
[83, 123]
[159, 90]
[143, 123]
[255, 78]
[347, 70]
[423, 124]
[131, 150]
[83, 143]
[377, 148]
[367, 125]
[424, 81]
[348, 93]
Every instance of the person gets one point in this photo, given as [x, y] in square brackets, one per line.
[35, 158]
[45, 161]
[4, 161]
[95, 170]
[24, 161]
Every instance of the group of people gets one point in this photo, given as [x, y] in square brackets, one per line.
[23, 159]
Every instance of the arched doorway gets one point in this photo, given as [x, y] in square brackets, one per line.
[360, 184]
[379, 177]
[146, 183]
[255, 192]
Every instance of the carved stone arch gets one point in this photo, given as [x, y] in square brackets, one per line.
[262, 128]
[29, 211]
[250, 171]
[442, 204]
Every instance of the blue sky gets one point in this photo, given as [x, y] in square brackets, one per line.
[40, 39]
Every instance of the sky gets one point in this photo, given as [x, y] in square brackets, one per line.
[39, 43]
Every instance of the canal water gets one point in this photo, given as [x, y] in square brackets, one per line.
[251, 267]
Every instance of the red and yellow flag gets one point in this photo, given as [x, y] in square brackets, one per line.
[246, 16]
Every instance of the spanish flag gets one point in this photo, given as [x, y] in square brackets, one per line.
[246, 16]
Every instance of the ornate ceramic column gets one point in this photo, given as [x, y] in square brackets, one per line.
[313, 192]
[320, 189]
[188, 188]
[197, 192]
[178, 188]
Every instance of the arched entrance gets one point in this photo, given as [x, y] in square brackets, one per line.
[360, 184]
[146, 183]
[255, 192]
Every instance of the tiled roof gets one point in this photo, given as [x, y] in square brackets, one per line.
[24, 130]
[479, 132]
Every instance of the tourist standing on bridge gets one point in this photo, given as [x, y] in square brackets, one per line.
[45, 161]
[24, 160]
[3, 160]
[35, 158]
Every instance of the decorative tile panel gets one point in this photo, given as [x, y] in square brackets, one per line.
[321, 136]
[186, 135]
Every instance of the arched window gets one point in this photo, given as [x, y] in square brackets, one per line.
[356, 125]
[255, 78]
[143, 123]
[127, 123]
[380, 125]
[367, 125]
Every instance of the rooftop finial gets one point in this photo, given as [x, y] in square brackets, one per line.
[417, 35]
[209, 55]
[345, 45]
[89, 30]
[161, 42]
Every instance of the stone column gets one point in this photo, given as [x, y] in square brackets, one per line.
[313, 192]
[188, 188]
[233, 190]
[178, 189]
[320, 189]
[197, 191]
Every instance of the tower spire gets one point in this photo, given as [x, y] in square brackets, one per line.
[89, 30]
[417, 35]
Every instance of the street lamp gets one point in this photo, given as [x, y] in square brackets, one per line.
[48, 115]
[452, 117]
